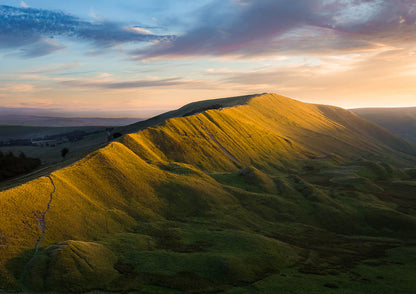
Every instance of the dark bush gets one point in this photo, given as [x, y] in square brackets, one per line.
[116, 135]
[12, 166]
[64, 152]
[214, 106]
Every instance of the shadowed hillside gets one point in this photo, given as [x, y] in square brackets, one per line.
[400, 121]
[254, 193]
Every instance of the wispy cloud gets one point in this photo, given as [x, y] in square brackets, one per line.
[23, 4]
[144, 83]
[344, 52]
[41, 48]
[34, 29]
[355, 79]
[237, 28]
[263, 27]
[52, 68]
[17, 88]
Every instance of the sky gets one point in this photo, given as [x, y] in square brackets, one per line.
[141, 58]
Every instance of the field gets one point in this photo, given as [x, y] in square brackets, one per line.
[47, 146]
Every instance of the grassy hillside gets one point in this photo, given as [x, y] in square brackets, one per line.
[97, 137]
[400, 121]
[270, 194]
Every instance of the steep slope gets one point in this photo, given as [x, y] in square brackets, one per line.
[91, 143]
[210, 201]
[399, 121]
[270, 129]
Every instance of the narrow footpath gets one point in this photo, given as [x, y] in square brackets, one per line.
[42, 225]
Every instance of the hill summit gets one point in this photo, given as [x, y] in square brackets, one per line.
[254, 192]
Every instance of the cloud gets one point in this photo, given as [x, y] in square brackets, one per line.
[238, 28]
[372, 78]
[23, 4]
[41, 48]
[17, 88]
[138, 30]
[263, 27]
[145, 83]
[34, 29]
[53, 68]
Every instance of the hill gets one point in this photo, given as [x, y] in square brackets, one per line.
[46, 118]
[268, 194]
[92, 137]
[47, 121]
[15, 132]
[400, 121]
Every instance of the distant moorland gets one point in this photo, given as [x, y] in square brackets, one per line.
[400, 121]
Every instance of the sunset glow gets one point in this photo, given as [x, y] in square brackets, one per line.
[139, 58]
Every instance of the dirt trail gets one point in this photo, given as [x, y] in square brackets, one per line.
[42, 225]
[235, 160]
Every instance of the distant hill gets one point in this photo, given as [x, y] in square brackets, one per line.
[45, 121]
[400, 121]
[252, 194]
[28, 132]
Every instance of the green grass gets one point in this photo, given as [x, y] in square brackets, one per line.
[286, 198]
[393, 273]
[71, 266]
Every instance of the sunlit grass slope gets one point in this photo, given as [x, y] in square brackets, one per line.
[267, 189]
[269, 130]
